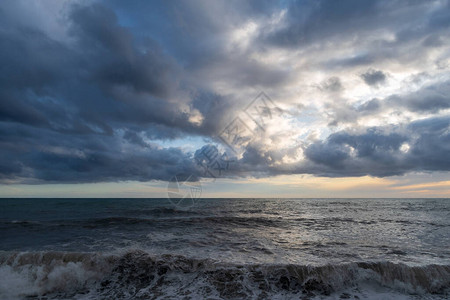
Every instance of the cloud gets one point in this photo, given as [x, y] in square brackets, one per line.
[37, 155]
[332, 84]
[57, 97]
[429, 99]
[373, 77]
[370, 106]
[309, 21]
[112, 91]
[378, 151]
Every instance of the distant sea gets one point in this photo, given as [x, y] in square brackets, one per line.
[225, 249]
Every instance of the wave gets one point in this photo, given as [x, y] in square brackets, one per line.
[138, 274]
[178, 219]
[172, 217]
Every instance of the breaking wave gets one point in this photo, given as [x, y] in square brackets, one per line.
[136, 274]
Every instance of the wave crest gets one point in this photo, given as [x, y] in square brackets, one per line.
[137, 274]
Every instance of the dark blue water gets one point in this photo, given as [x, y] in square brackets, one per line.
[397, 238]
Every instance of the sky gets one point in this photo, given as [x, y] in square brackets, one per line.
[250, 98]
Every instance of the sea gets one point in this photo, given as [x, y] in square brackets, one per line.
[225, 249]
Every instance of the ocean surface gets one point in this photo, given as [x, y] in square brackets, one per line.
[225, 249]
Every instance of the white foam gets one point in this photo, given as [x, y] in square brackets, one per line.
[137, 273]
[28, 274]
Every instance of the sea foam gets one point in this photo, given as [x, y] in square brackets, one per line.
[138, 274]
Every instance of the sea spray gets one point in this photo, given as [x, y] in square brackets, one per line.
[139, 274]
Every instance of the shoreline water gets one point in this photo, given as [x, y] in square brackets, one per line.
[137, 274]
[225, 249]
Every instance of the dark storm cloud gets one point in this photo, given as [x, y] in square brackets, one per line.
[379, 151]
[105, 166]
[62, 104]
[415, 25]
[46, 83]
[117, 60]
[91, 158]
[430, 151]
[93, 105]
[197, 34]
[429, 99]
[30, 63]
[382, 151]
